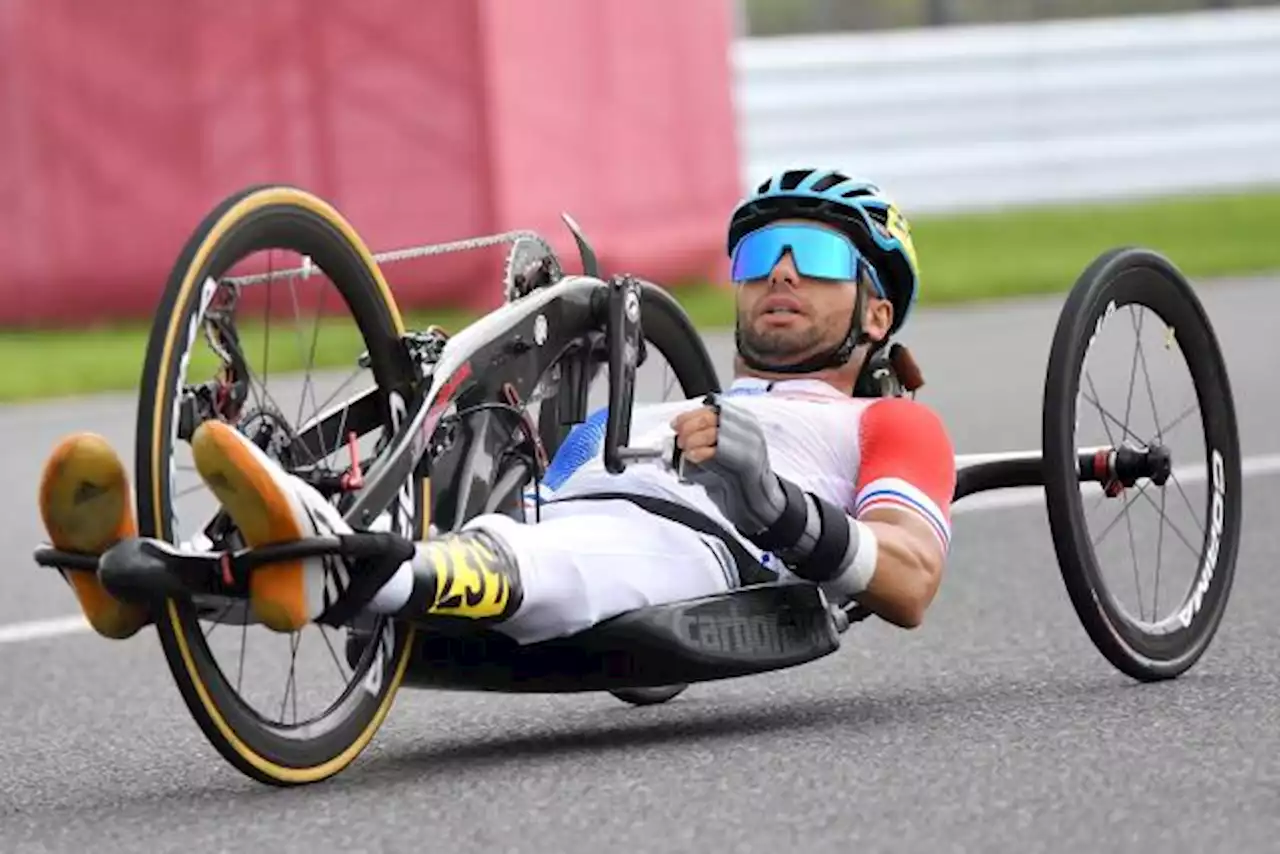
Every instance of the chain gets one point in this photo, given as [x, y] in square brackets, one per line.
[394, 255]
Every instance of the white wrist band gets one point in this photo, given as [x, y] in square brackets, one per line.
[858, 576]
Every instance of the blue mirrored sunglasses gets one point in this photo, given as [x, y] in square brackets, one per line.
[818, 253]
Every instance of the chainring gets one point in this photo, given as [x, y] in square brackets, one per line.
[531, 264]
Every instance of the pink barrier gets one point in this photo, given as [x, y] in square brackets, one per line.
[124, 123]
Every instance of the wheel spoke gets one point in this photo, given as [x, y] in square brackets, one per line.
[1178, 485]
[331, 398]
[1151, 396]
[1195, 550]
[1102, 412]
[1133, 367]
[1133, 551]
[1165, 430]
[1155, 596]
[1107, 415]
[291, 685]
[342, 674]
[306, 356]
[266, 329]
[217, 620]
[1124, 509]
[244, 642]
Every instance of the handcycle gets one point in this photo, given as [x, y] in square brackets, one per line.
[466, 423]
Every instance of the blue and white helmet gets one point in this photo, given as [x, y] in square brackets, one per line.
[858, 208]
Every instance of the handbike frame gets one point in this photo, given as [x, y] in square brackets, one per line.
[560, 334]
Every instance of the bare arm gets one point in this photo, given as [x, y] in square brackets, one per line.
[905, 482]
[909, 564]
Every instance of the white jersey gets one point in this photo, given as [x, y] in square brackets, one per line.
[857, 453]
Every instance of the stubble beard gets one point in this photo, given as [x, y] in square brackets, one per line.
[778, 345]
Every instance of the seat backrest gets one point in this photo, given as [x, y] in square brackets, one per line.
[890, 371]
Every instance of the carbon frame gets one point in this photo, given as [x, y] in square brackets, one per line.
[505, 355]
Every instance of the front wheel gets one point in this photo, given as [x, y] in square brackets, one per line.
[1192, 488]
[208, 357]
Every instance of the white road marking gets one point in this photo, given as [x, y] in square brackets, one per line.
[39, 629]
[1255, 466]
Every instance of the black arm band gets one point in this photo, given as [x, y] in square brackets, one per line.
[827, 560]
[816, 549]
[787, 531]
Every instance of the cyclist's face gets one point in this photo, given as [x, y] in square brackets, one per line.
[788, 317]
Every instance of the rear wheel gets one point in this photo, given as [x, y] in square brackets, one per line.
[676, 365]
[666, 329]
[689, 372]
[1137, 291]
[184, 382]
[649, 696]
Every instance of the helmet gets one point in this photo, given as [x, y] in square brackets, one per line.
[857, 208]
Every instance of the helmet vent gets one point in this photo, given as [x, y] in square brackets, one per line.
[791, 180]
[829, 181]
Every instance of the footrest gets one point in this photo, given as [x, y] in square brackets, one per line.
[140, 569]
[49, 556]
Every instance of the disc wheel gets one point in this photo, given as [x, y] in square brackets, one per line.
[1140, 294]
[266, 218]
[690, 372]
[648, 696]
[668, 331]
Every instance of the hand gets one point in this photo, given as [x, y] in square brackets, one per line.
[722, 447]
[696, 433]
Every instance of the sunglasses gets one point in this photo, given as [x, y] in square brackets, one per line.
[818, 253]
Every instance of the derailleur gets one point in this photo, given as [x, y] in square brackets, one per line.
[222, 398]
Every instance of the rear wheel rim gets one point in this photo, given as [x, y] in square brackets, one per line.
[1135, 290]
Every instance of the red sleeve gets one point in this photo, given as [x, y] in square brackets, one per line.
[907, 461]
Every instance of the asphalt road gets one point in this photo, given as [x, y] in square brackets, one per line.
[995, 727]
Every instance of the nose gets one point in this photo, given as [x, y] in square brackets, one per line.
[784, 272]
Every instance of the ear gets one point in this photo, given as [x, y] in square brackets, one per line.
[877, 316]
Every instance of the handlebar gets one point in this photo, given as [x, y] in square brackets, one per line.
[623, 340]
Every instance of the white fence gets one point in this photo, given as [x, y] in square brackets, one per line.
[997, 115]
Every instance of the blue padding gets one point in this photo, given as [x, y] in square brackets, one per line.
[581, 445]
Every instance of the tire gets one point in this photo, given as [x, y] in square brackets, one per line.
[257, 218]
[1134, 276]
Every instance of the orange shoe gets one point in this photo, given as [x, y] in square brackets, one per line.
[270, 506]
[87, 507]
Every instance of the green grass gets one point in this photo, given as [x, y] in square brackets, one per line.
[976, 257]
[1040, 251]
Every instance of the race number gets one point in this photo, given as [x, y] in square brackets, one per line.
[467, 583]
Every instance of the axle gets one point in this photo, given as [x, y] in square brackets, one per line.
[1114, 468]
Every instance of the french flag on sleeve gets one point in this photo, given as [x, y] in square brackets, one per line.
[895, 492]
[906, 461]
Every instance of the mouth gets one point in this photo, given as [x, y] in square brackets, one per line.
[780, 309]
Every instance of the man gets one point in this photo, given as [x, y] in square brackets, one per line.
[797, 478]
